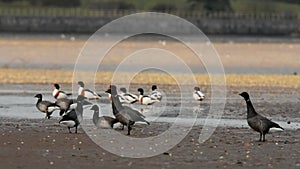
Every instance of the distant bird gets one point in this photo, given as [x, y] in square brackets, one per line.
[130, 113]
[58, 94]
[256, 121]
[45, 106]
[146, 100]
[119, 111]
[155, 94]
[73, 117]
[128, 98]
[198, 95]
[89, 94]
[103, 121]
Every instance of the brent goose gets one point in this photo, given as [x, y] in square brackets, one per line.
[198, 95]
[155, 94]
[65, 104]
[256, 121]
[87, 92]
[119, 111]
[73, 117]
[146, 100]
[103, 121]
[70, 120]
[131, 113]
[58, 94]
[45, 106]
[68, 104]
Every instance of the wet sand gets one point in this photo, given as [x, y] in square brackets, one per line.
[32, 144]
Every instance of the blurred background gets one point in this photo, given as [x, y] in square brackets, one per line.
[251, 36]
[235, 17]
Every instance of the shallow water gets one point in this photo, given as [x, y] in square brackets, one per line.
[16, 104]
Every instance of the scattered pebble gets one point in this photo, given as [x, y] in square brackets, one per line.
[51, 162]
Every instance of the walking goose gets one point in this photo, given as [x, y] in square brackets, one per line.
[118, 110]
[73, 117]
[45, 106]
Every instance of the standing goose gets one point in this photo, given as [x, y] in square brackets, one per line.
[89, 94]
[256, 121]
[127, 97]
[58, 94]
[45, 106]
[119, 111]
[73, 117]
[198, 95]
[155, 94]
[131, 113]
[145, 100]
[70, 120]
[103, 121]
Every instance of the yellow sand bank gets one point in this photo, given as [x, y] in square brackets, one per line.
[39, 76]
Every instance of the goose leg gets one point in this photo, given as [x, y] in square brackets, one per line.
[69, 130]
[260, 134]
[129, 129]
[76, 129]
[264, 137]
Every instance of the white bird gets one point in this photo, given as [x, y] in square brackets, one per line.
[58, 94]
[146, 100]
[87, 92]
[198, 95]
[127, 97]
[155, 94]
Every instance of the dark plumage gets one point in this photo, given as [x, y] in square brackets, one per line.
[129, 112]
[70, 120]
[256, 121]
[45, 106]
[73, 117]
[68, 104]
[103, 121]
[64, 105]
[119, 111]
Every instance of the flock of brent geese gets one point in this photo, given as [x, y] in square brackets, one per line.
[71, 110]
